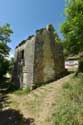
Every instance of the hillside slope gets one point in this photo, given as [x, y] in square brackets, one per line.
[40, 103]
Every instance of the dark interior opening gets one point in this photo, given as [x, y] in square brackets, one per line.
[22, 56]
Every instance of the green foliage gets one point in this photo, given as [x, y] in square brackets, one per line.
[23, 91]
[4, 49]
[81, 66]
[11, 65]
[72, 28]
[69, 108]
[11, 88]
[5, 33]
[4, 66]
[27, 89]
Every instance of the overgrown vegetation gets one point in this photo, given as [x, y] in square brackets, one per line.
[5, 33]
[69, 107]
[72, 27]
[23, 91]
[81, 66]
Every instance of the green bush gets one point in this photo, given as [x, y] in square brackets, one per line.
[26, 89]
[23, 91]
[4, 67]
[12, 88]
[81, 66]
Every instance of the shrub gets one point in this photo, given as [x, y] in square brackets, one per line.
[81, 66]
[12, 88]
[25, 90]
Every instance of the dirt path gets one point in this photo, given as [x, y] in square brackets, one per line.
[40, 103]
[48, 105]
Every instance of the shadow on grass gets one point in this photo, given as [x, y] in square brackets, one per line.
[10, 116]
[13, 117]
[6, 86]
[3, 101]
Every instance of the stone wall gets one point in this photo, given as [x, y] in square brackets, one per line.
[49, 59]
[28, 69]
[24, 69]
[43, 59]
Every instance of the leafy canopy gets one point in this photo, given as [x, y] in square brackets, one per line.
[5, 33]
[72, 28]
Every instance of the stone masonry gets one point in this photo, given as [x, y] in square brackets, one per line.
[39, 59]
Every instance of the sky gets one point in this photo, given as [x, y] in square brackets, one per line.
[26, 16]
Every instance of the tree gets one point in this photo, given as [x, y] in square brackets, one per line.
[11, 65]
[5, 33]
[72, 28]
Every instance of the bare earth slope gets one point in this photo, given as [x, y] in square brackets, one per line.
[39, 104]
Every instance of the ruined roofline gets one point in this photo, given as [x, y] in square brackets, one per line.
[48, 28]
[21, 43]
[24, 41]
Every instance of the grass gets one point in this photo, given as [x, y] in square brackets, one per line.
[69, 107]
[39, 103]
[58, 103]
[23, 91]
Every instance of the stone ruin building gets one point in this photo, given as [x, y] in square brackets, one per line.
[38, 59]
